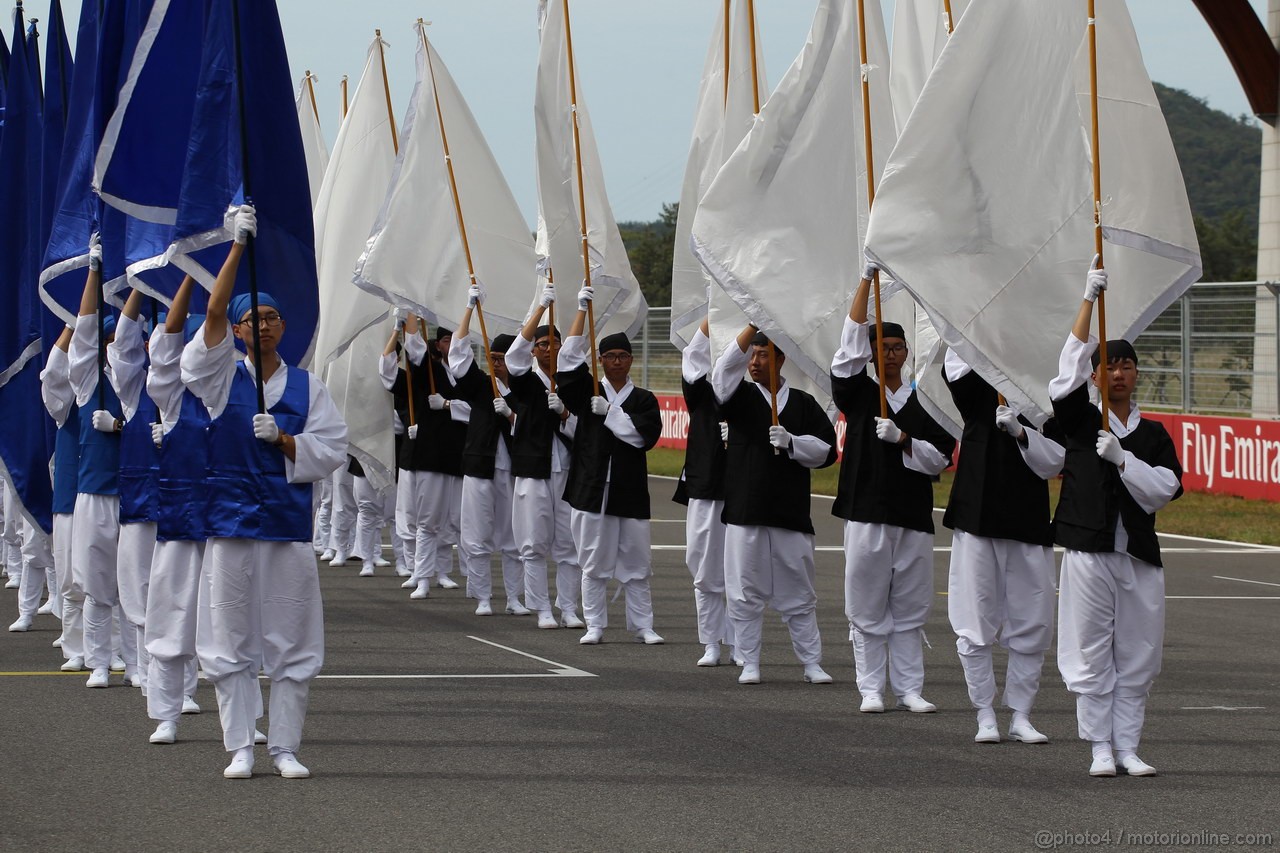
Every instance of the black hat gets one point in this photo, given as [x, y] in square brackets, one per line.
[891, 330]
[1116, 350]
[544, 331]
[618, 340]
[442, 333]
[762, 340]
[501, 343]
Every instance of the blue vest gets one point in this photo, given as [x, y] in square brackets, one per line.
[138, 463]
[184, 457]
[247, 494]
[66, 463]
[99, 451]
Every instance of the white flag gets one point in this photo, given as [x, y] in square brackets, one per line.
[415, 257]
[313, 144]
[780, 228]
[919, 35]
[986, 208]
[619, 305]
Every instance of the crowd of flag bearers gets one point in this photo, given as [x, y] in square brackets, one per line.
[185, 519]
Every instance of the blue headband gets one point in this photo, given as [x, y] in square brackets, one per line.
[108, 325]
[241, 303]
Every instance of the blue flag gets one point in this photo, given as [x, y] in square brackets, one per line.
[265, 162]
[23, 449]
[4, 76]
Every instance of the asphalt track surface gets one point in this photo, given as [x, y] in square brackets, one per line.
[484, 733]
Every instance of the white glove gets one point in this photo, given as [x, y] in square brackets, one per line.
[779, 437]
[399, 315]
[1096, 281]
[599, 406]
[554, 403]
[436, 402]
[585, 296]
[157, 434]
[246, 224]
[95, 252]
[548, 297]
[887, 430]
[501, 409]
[104, 421]
[724, 431]
[475, 295]
[1109, 448]
[1007, 420]
[412, 432]
[265, 428]
[869, 268]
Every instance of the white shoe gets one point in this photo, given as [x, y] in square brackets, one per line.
[23, 624]
[423, 590]
[710, 655]
[445, 582]
[326, 555]
[916, 704]
[339, 559]
[367, 571]
[45, 609]
[814, 674]
[546, 620]
[872, 704]
[288, 766]
[649, 637]
[259, 738]
[381, 562]
[484, 608]
[189, 705]
[593, 637]
[241, 766]
[57, 644]
[1135, 766]
[410, 583]
[97, 678]
[75, 664]
[132, 678]
[570, 620]
[987, 734]
[515, 608]
[117, 663]
[165, 733]
[13, 582]
[1103, 765]
[1026, 734]
[401, 572]
[750, 674]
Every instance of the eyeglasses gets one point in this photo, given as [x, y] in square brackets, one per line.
[895, 349]
[270, 320]
[544, 345]
[615, 356]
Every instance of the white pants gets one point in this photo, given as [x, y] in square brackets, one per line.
[95, 528]
[432, 516]
[485, 529]
[173, 611]
[71, 593]
[704, 555]
[322, 500]
[264, 606]
[540, 522]
[1000, 590]
[613, 547]
[136, 548]
[1110, 641]
[36, 558]
[342, 518]
[373, 511]
[771, 566]
[12, 546]
[405, 529]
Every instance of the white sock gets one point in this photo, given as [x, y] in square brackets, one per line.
[1021, 719]
[986, 718]
[1101, 748]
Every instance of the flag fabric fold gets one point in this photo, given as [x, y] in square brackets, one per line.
[312, 135]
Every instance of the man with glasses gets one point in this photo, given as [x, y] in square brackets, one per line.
[885, 496]
[264, 590]
[608, 485]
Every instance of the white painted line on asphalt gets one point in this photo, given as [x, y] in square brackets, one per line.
[1223, 597]
[560, 670]
[1225, 708]
[946, 549]
[1244, 580]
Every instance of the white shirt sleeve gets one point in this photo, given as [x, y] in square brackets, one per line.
[1151, 487]
[622, 427]
[809, 450]
[55, 387]
[695, 360]
[460, 410]
[208, 372]
[415, 347]
[1044, 456]
[854, 352]
[1074, 366]
[955, 366]
[128, 360]
[572, 354]
[569, 426]
[388, 370]
[164, 379]
[520, 356]
[729, 371]
[83, 358]
[461, 355]
[321, 448]
[925, 458]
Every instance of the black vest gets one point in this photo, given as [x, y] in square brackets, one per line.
[486, 428]
[761, 488]
[536, 427]
[1093, 495]
[994, 493]
[438, 446]
[704, 455]
[595, 449]
[875, 486]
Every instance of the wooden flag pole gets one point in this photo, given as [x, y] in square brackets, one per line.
[311, 93]
[551, 335]
[871, 191]
[250, 240]
[582, 196]
[344, 96]
[1097, 214]
[951, 21]
[386, 89]
[727, 24]
[457, 206]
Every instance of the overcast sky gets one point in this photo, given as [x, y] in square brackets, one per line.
[639, 63]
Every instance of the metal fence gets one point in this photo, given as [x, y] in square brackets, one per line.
[1214, 351]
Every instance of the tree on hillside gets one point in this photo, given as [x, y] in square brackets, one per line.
[651, 248]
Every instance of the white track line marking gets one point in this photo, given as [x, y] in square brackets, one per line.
[1225, 708]
[560, 670]
[1222, 597]
[1243, 580]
